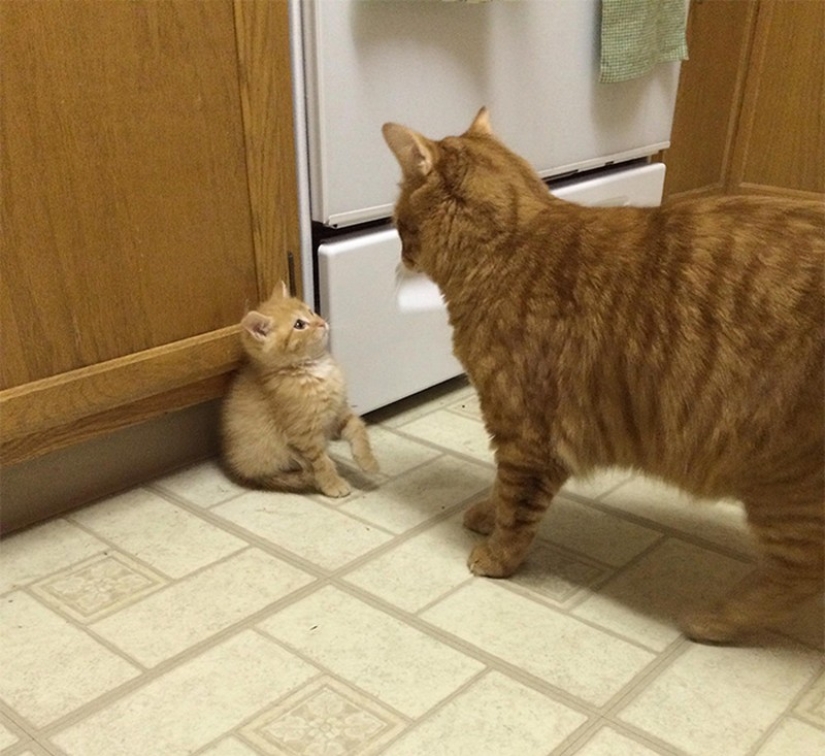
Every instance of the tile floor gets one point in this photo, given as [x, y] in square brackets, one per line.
[190, 616]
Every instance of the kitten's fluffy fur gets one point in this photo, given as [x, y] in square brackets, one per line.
[287, 402]
[684, 341]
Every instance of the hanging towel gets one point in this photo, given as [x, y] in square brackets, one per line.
[638, 34]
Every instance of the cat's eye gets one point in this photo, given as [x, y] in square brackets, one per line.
[300, 324]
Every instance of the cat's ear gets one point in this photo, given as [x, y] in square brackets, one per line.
[415, 153]
[280, 291]
[259, 326]
[481, 124]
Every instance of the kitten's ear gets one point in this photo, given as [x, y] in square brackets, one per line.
[279, 292]
[481, 124]
[258, 325]
[415, 153]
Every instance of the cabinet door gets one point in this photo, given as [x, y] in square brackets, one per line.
[780, 147]
[140, 214]
[750, 113]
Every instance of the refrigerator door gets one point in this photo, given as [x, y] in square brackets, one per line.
[432, 65]
[387, 346]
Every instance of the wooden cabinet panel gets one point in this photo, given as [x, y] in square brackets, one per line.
[781, 142]
[750, 113]
[710, 93]
[125, 197]
[148, 199]
[266, 97]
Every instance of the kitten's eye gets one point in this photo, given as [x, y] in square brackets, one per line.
[300, 324]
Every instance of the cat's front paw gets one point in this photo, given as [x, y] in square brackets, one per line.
[335, 488]
[484, 562]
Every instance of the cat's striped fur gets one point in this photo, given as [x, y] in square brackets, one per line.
[684, 341]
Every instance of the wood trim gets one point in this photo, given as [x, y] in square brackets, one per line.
[25, 448]
[739, 95]
[780, 138]
[264, 65]
[740, 138]
[65, 399]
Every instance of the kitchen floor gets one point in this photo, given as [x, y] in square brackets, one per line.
[191, 616]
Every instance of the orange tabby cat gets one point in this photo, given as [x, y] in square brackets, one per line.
[684, 341]
[288, 401]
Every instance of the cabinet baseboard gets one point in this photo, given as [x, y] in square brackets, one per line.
[55, 483]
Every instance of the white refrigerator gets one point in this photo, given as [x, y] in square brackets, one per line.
[431, 65]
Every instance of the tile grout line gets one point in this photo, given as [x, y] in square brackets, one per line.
[486, 658]
[190, 653]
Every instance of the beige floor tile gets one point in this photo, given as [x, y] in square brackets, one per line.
[7, 737]
[721, 523]
[645, 602]
[229, 747]
[421, 494]
[161, 534]
[398, 664]
[600, 535]
[717, 701]
[452, 431]
[35, 553]
[554, 575]
[169, 622]
[812, 705]
[582, 660]
[193, 704]
[794, 739]
[596, 485]
[317, 533]
[324, 717]
[468, 405]
[204, 484]
[608, 742]
[421, 570]
[495, 716]
[50, 668]
[99, 586]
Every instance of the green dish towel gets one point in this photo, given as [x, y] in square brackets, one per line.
[638, 34]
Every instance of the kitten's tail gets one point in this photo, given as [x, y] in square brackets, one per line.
[293, 481]
[290, 481]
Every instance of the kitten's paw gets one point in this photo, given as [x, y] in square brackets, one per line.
[336, 488]
[367, 462]
[484, 563]
[480, 517]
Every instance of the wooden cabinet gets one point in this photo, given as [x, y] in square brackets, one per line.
[750, 114]
[148, 199]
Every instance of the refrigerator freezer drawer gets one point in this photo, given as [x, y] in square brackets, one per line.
[386, 352]
[389, 349]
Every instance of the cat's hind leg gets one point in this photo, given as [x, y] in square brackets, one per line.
[521, 495]
[791, 570]
[481, 517]
[354, 431]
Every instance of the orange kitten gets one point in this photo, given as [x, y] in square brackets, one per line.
[288, 401]
[684, 341]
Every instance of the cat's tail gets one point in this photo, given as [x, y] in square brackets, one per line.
[289, 481]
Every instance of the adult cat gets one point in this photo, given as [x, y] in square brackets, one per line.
[684, 341]
[287, 401]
